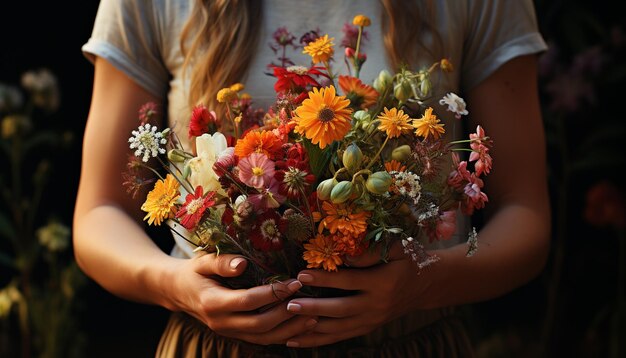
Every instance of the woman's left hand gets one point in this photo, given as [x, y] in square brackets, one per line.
[383, 292]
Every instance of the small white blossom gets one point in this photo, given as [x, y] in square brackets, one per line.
[431, 212]
[417, 253]
[472, 243]
[147, 141]
[455, 104]
[44, 88]
[407, 184]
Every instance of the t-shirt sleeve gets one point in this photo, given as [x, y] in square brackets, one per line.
[126, 35]
[498, 31]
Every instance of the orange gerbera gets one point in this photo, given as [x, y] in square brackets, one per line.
[343, 218]
[428, 125]
[160, 203]
[323, 117]
[360, 95]
[320, 252]
[320, 50]
[394, 122]
[264, 142]
[394, 166]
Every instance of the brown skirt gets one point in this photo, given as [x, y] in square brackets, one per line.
[436, 333]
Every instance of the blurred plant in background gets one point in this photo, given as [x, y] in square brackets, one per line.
[38, 291]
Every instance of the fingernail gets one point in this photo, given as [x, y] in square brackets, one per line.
[305, 277]
[293, 344]
[293, 307]
[310, 323]
[294, 286]
[234, 263]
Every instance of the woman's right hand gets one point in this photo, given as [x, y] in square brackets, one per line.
[191, 288]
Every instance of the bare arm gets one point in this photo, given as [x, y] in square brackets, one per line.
[513, 243]
[113, 249]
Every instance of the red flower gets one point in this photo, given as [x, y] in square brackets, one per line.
[201, 121]
[194, 207]
[296, 78]
[605, 206]
[265, 234]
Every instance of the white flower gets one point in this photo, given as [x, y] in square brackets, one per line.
[43, 85]
[407, 184]
[455, 104]
[54, 236]
[147, 141]
[209, 148]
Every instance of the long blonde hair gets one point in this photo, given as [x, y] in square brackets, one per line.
[221, 36]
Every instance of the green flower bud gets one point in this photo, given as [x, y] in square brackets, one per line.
[186, 171]
[341, 192]
[352, 158]
[324, 188]
[402, 90]
[425, 87]
[176, 156]
[383, 81]
[401, 153]
[362, 116]
[378, 183]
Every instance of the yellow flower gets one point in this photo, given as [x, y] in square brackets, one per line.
[320, 50]
[321, 252]
[361, 20]
[323, 117]
[446, 65]
[225, 95]
[161, 201]
[245, 95]
[428, 125]
[394, 122]
[237, 87]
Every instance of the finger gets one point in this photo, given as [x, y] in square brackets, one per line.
[224, 299]
[346, 279]
[280, 335]
[221, 265]
[251, 322]
[321, 339]
[328, 307]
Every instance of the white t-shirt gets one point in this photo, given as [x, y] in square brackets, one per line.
[142, 39]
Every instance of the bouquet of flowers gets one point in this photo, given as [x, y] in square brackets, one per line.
[320, 175]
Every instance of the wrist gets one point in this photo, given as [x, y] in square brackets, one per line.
[157, 276]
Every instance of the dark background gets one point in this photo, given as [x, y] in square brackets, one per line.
[577, 284]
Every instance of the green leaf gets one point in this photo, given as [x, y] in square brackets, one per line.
[319, 158]
[370, 235]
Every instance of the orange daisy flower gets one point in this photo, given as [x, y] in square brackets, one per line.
[394, 122]
[428, 125]
[320, 50]
[349, 245]
[320, 252]
[160, 203]
[323, 117]
[394, 166]
[343, 218]
[264, 142]
[360, 95]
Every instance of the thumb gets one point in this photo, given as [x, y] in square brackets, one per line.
[221, 265]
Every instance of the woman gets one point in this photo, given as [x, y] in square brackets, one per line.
[135, 47]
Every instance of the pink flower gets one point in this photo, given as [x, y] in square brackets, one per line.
[268, 198]
[446, 225]
[256, 170]
[460, 176]
[478, 138]
[483, 160]
[474, 197]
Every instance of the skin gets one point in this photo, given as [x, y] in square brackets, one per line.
[126, 262]
[513, 244]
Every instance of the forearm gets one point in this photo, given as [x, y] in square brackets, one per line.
[513, 249]
[116, 252]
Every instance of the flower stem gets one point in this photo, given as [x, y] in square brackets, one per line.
[377, 154]
[357, 67]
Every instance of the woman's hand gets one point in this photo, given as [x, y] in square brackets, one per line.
[383, 292]
[234, 313]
